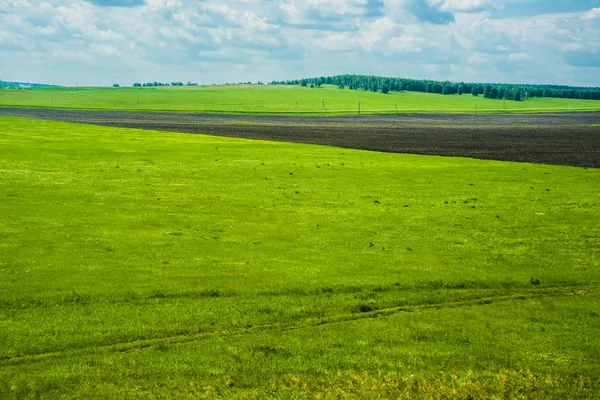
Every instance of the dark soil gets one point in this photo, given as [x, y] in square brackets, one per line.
[562, 139]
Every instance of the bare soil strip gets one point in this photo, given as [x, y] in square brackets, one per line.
[561, 139]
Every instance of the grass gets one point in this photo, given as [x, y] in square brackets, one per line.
[275, 99]
[138, 264]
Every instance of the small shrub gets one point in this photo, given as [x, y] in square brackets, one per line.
[211, 293]
[534, 281]
[363, 308]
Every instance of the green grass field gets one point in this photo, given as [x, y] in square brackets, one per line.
[275, 99]
[143, 264]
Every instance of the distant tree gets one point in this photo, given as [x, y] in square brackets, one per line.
[116, 85]
[312, 85]
[487, 92]
[137, 84]
[493, 93]
[474, 91]
[500, 93]
[516, 95]
[385, 89]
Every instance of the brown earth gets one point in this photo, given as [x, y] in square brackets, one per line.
[562, 139]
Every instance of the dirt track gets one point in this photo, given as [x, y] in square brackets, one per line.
[563, 139]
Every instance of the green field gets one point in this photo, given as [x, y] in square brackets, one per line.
[275, 99]
[144, 264]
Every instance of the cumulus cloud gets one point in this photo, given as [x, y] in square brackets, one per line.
[117, 3]
[519, 57]
[466, 5]
[593, 14]
[239, 40]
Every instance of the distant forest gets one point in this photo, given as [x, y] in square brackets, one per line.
[500, 91]
[149, 84]
[26, 85]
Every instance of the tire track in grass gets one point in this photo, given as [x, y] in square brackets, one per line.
[143, 344]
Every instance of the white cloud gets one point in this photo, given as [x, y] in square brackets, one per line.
[339, 42]
[155, 5]
[406, 44]
[375, 32]
[221, 9]
[518, 57]
[216, 41]
[250, 20]
[593, 14]
[463, 5]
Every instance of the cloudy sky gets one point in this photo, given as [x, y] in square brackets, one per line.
[91, 42]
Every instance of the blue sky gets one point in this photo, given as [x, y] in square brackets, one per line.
[123, 41]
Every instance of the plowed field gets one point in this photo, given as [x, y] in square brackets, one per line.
[561, 139]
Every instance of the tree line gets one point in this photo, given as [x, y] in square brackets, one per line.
[149, 84]
[500, 91]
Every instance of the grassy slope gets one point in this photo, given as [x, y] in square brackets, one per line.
[274, 99]
[136, 262]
